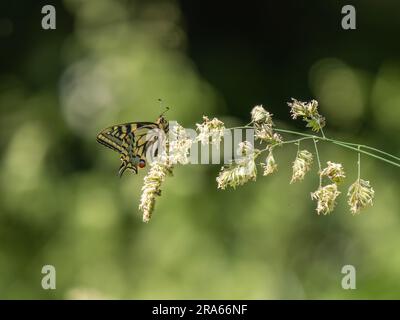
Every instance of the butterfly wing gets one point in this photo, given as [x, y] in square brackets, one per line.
[130, 140]
[146, 142]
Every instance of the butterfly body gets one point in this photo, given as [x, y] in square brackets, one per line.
[132, 140]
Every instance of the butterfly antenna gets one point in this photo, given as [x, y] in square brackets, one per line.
[166, 108]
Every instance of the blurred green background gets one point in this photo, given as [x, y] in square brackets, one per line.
[108, 62]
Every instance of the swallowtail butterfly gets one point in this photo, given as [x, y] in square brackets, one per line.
[133, 140]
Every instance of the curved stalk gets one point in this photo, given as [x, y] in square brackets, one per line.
[349, 145]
